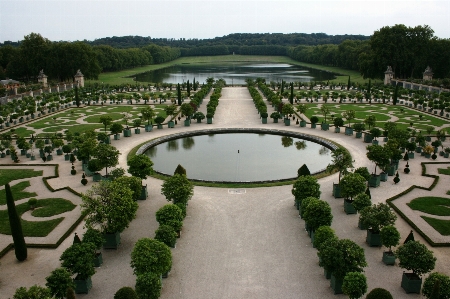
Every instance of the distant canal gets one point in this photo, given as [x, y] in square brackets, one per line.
[234, 73]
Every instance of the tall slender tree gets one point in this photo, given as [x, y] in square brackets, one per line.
[348, 83]
[188, 88]
[20, 247]
[179, 94]
[194, 85]
[291, 96]
[395, 96]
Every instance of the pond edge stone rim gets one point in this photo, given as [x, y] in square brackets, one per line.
[304, 136]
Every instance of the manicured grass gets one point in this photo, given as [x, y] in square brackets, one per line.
[445, 171]
[8, 175]
[439, 206]
[442, 226]
[24, 132]
[17, 191]
[124, 75]
[35, 228]
[52, 206]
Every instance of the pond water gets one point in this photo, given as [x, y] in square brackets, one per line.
[239, 157]
[234, 73]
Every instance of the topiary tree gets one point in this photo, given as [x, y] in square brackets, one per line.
[116, 128]
[132, 183]
[58, 282]
[170, 214]
[341, 161]
[106, 120]
[303, 171]
[361, 201]
[389, 237]
[166, 234]
[180, 170]
[379, 155]
[148, 286]
[416, 257]
[125, 293]
[20, 247]
[79, 259]
[177, 189]
[363, 171]
[317, 213]
[152, 256]
[107, 155]
[443, 282]
[34, 292]
[305, 186]
[352, 184]
[377, 216]
[140, 166]
[379, 293]
[147, 114]
[354, 285]
[322, 234]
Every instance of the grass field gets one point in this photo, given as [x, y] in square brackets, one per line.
[439, 206]
[8, 175]
[121, 76]
[17, 191]
[442, 226]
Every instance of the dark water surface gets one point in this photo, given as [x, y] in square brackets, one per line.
[234, 73]
[239, 157]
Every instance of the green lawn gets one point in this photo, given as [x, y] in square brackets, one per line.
[439, 206]
[8, 175]
[50, 206]
[17, 191]
[445, 171]
[442, 226]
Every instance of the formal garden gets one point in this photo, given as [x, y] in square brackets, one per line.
[91, 140]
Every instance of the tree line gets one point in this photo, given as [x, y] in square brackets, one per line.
[408, 50]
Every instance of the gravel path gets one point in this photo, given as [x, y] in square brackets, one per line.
[247, 243]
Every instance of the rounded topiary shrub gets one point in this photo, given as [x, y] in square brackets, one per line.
[125, 293]
[167, 235]
[170, 214]
[148, 285]
[379, 293]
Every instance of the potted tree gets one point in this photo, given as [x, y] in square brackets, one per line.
[389, 237]
[170, 111]
[199, 116]
[58, 282]
[351, 185]
[95, 237]
[375, 133]
[147, 115]
[287, 110]
[341, 162]
[116, 128]
[187, 110]
[361, 201]
[325, 111]
[322, 234]
[152, 256]
[78, 259]
[305, 202]
[148, 285]
[354, 285]
[349, 115]
[177, 189]
[317, 214]
[166, 234]
[159, 120]
[342, 257]
[141, 166]
[137, 126]
[172, 215]
[429, 286]
[375, 218]
[94, 166]
[67, 149]
[275, 116]
[417, 258]
[264, 116]
[109, 206]
[380, 156]
[338, 123]
[305, 186]
[314, 120]
[359, 127]
[126, 117]
[301, 108]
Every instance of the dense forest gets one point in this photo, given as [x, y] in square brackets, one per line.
[409, 50]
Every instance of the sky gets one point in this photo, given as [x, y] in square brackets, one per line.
[68, 20]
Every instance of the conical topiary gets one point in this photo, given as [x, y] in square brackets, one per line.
[410, 237]
[84, 180]
[397, 178]
[20, 247]
[76, 239]
[180, 170]
[368, 192]
[303, 170]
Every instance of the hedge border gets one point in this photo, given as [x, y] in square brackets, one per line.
[408, 220]
[71, 228]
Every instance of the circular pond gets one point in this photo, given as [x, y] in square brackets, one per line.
[239, 156]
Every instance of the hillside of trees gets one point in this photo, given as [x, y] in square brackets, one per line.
[409, 50]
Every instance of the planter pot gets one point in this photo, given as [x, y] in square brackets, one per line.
[358, 135]
[327, 274]
[47, 141]
[392, 169]
[287, 122]
[349, 208]
[411, 155]
[59, 152]
[98, 259]
[23, 152]
[33, 158]
[302, 123]
[361, 226]
[144, 193]
[446, 155]
[372, 239]
[66, 157]
[374, 181]
[275, 120]
[187, 123]
[368, 138]
[388, 258]
[2, 155]
[159, 126]
[337, 191]
[428, 138]
[49, 157]
[97, 177]
[199, 120]
[28, 155]
[383, 177]
[385, 139]
[336, 284]
[87, 172]
[325, 127]
[313, 126]
[82, 286]
[112, 241]
[126, 133]
[171, 124]
[427, 155]
[116, 136]
[264, 120]
[375, 142]
[209, 120]
[148, 128]
[337, 130]
[137, 131]
[107, 140]
[411, 283]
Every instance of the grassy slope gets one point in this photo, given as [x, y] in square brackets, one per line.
[120, 77]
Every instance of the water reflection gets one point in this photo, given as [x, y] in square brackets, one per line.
[300, 145]
[172, 145]
[287, 141]
[188, 143]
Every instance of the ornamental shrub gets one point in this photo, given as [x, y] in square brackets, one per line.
[379, 293]
[150, 256]
[166, 234]
[354, 285]
[20, 247]
[303, 171]
[148, 286]
[125, 293]
[444, 285]
[170, 214]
